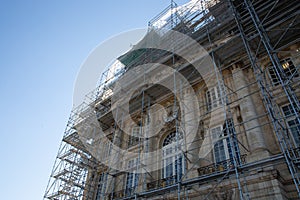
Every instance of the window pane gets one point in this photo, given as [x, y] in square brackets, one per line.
[171, 152]
[213, 98]
[132, 177]
[219, 150]
[293, 125]
[288, 68]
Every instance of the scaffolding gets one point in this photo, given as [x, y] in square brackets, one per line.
[245, 104]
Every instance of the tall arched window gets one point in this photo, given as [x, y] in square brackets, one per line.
[173, 159]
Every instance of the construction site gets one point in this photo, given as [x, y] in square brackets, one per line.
[205, 106]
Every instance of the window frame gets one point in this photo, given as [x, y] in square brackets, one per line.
[213, 98]
[107, 146]
[132, 177]
[289, 118]
[134, 138]
[101, 185]
[222, 138]
[171, 154]
[287, 70]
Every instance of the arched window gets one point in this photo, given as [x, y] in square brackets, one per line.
[173, 159]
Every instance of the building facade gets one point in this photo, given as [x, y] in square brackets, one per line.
[205, 106]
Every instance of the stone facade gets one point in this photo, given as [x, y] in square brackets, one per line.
[214, 137]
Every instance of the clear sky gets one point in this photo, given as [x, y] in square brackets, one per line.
[42, 45]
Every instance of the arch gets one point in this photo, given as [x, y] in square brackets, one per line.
[173, 161]
[170, 138]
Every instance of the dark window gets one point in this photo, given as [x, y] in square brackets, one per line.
[101, 188]
[292, 123]
[289, 69]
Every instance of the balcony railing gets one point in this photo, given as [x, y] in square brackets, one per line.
[122, 193]
[219, 167]
[172, 180]
[160, 183]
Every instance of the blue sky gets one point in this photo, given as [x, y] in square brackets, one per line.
[42, 45]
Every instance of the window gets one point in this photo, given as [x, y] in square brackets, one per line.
[213, 98]
[173, 159]
[107, 146]
[220, 145]
[229, 131]
[292, 123]
[132, 177]
[221, 149]
[101, 187]
[135, 136]
[288, 68]
[136, 131]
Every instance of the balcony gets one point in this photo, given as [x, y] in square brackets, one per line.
[219, 167]
[122, 193]
[162, 183]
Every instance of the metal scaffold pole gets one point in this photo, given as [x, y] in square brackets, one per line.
[175, 123]
[229, 125]
[287, 149]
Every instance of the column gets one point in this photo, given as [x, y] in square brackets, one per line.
[190, 117]
[254, 132]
